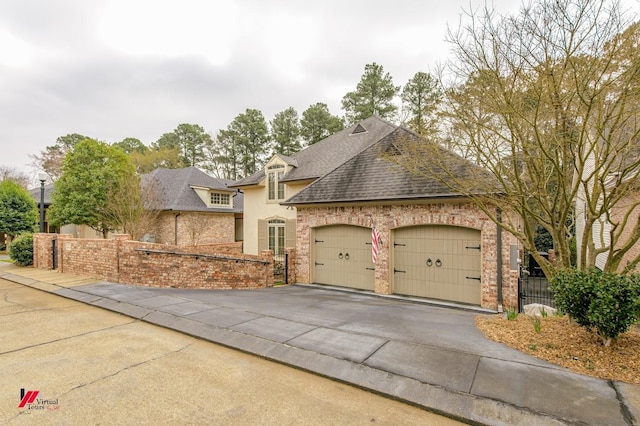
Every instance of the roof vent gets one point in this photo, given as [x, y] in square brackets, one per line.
[393, 150]
[358, 129]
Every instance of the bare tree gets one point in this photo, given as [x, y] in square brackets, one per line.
[197, 224]
[15, 175]
[133, 206]
[547, 102]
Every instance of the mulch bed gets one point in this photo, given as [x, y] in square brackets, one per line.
[569, 345]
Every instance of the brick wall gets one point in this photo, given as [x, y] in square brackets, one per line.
[626, 205]
[195, 228]
[119, 260]
[388, 218]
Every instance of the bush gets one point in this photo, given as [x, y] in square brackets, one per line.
[606, 302]
[21, 250]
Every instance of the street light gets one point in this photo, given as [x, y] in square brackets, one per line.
[42, 177]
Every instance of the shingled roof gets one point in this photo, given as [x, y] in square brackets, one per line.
[175, 189]
[372, 176]
[324, 156]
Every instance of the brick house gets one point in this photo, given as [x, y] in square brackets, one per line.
[270, 225]
[434, 243]
[620, 223]
[196, 209]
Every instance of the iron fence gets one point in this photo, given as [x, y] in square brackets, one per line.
[280, 268]
[533, 286]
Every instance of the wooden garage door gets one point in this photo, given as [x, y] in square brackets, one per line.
[440, 262]
[342, 256]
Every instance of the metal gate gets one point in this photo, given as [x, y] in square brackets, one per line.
[281, 268]
[54, 254]
[533, 286]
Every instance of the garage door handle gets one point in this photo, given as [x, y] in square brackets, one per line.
[395, 271]
[370, 269]
[319, 264]
[473, 278]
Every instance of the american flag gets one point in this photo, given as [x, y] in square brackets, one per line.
[375, 243]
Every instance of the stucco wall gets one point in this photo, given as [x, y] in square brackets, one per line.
[257, 207]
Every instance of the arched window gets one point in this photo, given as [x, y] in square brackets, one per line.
[276, 236]
[275, 187]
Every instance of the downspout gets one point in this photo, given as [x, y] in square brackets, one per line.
[499, 256]
[176, 229]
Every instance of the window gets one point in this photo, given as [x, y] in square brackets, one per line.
[276, 236]
[220, 199]
[275, 173]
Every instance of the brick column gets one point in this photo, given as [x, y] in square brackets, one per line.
[291, 265]
[267, 256]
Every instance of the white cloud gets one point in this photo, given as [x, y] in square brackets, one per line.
[112, 69]
[166, 28]
[14, 52]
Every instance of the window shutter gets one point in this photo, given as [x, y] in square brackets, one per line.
[262, 235]
[290, 234]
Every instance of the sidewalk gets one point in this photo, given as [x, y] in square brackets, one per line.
[429, 356]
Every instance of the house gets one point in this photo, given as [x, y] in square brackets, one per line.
[434, 243]
[36, 194]
[616, 229]
[270, 225]
[78, 231]
[196, 209]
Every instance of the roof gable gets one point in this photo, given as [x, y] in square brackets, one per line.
[177, 189]
[371, 176]
[324, 156]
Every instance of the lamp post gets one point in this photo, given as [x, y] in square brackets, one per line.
[42, 177]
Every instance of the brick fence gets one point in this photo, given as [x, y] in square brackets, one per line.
[120, 260]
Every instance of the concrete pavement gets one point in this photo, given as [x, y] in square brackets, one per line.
[93, 367]
[430, 356]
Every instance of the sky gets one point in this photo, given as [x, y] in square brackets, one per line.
[112, 69]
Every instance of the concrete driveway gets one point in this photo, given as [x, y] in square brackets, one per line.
[430, 356]
[92, 366]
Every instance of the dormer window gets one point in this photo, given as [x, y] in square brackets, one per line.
[220, 199]
[275, 186]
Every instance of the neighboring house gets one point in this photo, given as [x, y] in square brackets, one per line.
[270, 225]
[78, 231]
[434, 243]
[36, 195]
[196, 209]
[625, 214]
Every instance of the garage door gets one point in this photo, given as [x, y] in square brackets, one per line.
[440, 262]
[342, 257]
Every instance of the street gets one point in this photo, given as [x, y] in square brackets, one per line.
[66, 362]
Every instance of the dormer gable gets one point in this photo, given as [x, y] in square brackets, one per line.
[214, 198]
[279, 159]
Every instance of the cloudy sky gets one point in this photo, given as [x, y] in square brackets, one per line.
[111, 69]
